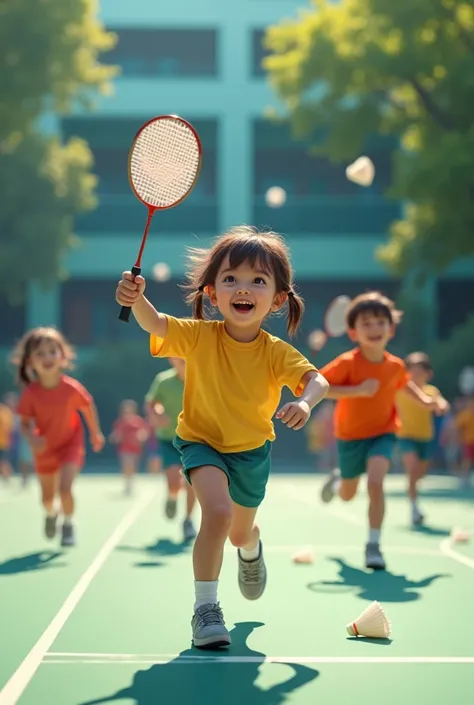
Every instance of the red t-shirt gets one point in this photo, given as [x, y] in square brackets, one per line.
[55, 412]
[127, 431]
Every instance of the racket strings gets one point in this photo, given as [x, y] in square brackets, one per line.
[164, 162]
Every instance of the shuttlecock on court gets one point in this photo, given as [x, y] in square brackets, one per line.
[459, 535]
[317, 340]
[275, 197]
[304, 555]
[373, 622]
[361, 172]
[161, 272]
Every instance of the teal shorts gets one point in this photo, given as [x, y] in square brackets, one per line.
[169, 455]
[247, 472]
[422, 449]
[353, 455]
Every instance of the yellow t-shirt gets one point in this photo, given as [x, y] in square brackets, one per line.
[232, 389]
[416, 422]
[6, 426]
[465, 425]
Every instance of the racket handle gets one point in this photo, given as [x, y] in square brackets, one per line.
[125, 311]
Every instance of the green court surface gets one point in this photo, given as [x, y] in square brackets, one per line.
[109, 620]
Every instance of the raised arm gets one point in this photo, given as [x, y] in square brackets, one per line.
[130, 292]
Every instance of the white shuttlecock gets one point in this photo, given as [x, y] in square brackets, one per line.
[161, 272]
[361, 172]
[373, 622]
[459, 535]
[304, 555]
[275, 197]
[317, 340]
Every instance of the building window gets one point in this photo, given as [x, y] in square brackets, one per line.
[165, 52]
[455, 303]
[89, 311]
[320, 199]
[259, 52]
[119, 210]
[13, 322]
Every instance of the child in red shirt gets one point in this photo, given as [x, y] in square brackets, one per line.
[129, 432]
[49, 410]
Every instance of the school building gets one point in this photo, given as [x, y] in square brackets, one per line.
[202, 60]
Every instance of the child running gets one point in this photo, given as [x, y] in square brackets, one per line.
[235, 372]
[165, 401]
[365, 381]
[6, 439]
[129, 432]
[50, 421]
[417, 431]
[464, 422]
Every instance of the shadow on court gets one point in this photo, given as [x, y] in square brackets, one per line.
[163, 547]
[198, 677]
[41, 560]
[382, 585]
[426, 530]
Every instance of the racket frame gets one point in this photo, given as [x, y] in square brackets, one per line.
[125, 311]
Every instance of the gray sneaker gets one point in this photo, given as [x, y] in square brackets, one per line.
[252, 575]
[209, 630]
[68, 536]
[328, 490]
[373, 557]
[50, 526]
[189, 532]
[170, 507]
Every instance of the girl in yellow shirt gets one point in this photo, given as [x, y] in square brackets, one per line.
[235, 372]
[416, 434]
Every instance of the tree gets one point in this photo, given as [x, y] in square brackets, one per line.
[49, 61]
[400, 69]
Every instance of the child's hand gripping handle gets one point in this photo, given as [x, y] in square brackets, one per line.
[125, 311]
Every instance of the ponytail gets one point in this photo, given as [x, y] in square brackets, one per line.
[196, 300]
[295, 313]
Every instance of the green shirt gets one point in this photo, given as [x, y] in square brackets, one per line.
[167, 389]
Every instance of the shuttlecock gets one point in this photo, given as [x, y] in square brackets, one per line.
[459, 535]
[275, 197]
[372, 622]
[304, 555]
[361, 172]
[161, 272]
[317, 339]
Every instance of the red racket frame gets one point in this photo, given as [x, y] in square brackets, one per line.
[124, 314]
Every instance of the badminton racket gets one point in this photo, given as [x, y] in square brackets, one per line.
[335, 324]
[163, 167]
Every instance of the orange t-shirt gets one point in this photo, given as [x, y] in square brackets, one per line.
[356, 418]
[55, 412]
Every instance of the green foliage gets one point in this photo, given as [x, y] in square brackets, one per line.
[400, 69]
[49, 60]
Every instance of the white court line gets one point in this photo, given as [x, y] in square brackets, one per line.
[177, 659]
[18, 682]
[446, 548]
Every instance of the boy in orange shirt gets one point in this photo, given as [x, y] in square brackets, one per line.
[464, 423]
[365, 381]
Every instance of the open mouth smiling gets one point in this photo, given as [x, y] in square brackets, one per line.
[243, 305]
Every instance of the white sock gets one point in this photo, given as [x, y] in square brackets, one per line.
[205, 592]
[67, 521]
[251, 555]
[374, 536]
[51, 512]
[414, 504]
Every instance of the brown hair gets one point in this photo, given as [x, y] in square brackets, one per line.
[373, 302]
[419, 359]
[30, 342]
[240, 244]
